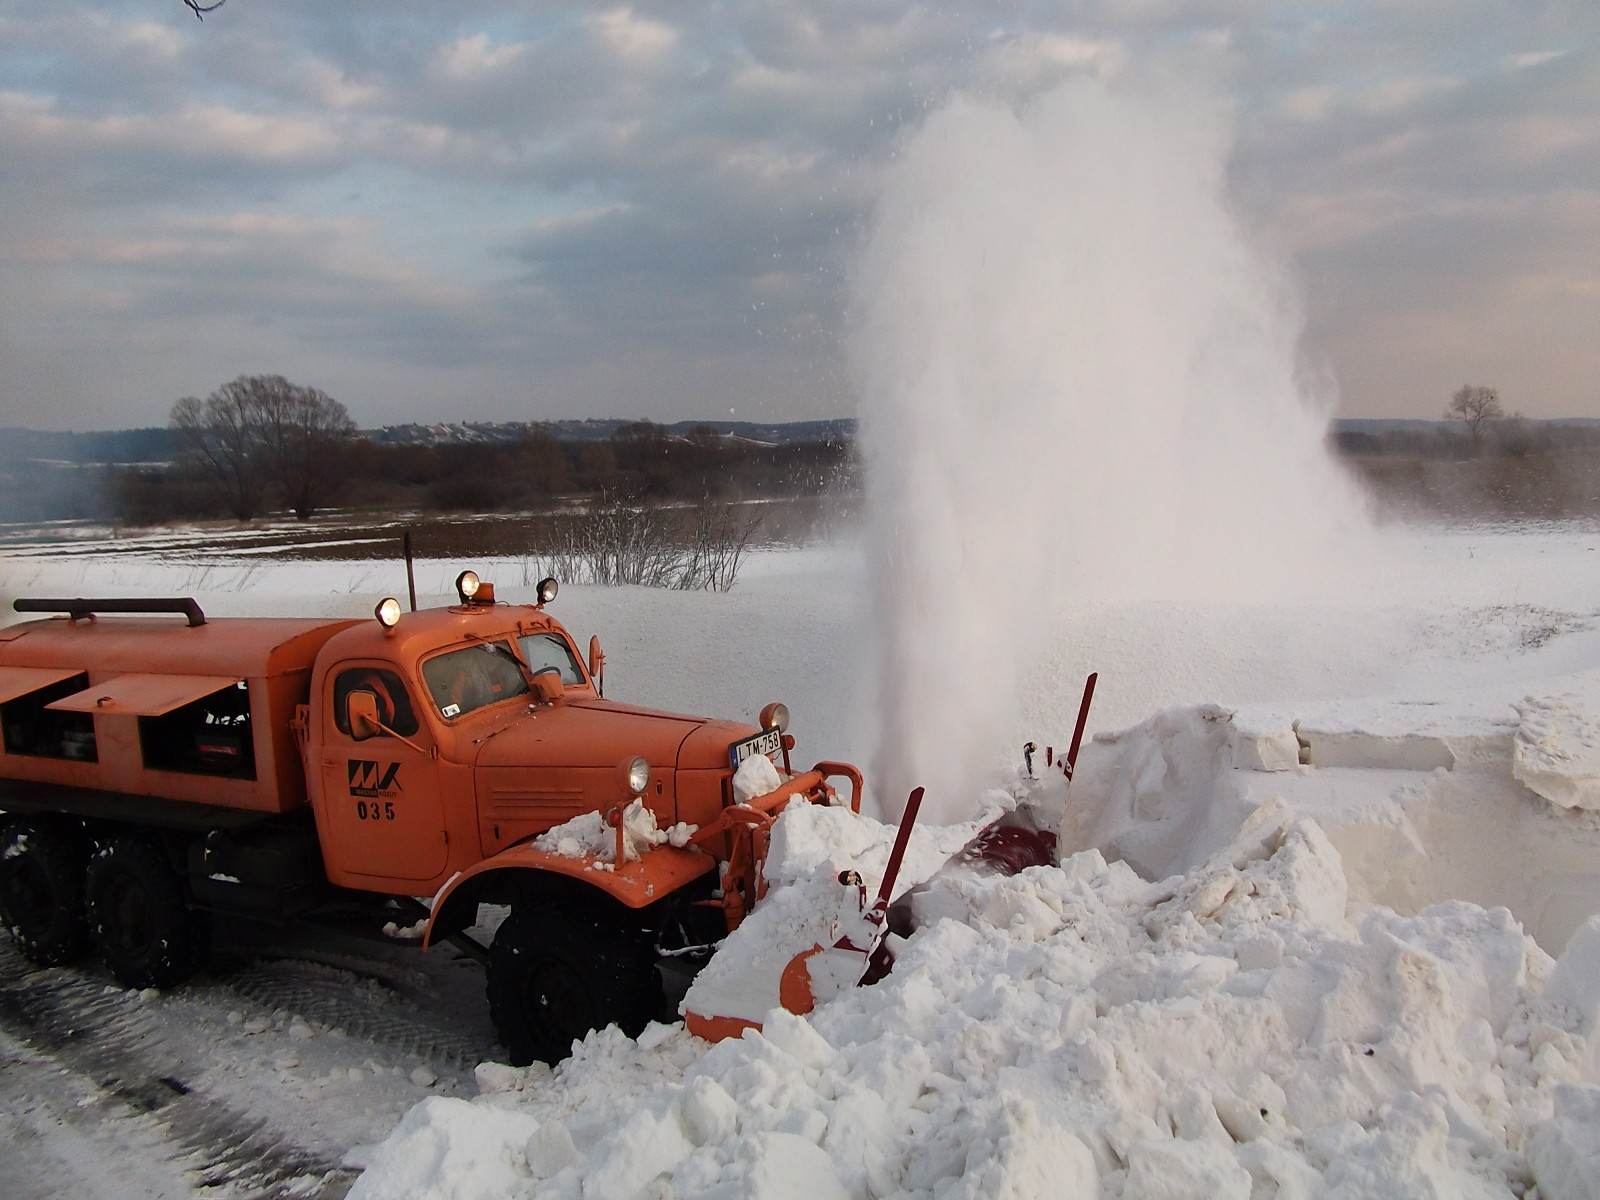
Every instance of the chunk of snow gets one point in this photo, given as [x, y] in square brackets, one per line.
[588, 835]
[1557, 753]
[450, 1149]
[756, 776]
[1564, 1152]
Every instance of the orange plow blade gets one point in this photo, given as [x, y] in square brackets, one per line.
[817, 975]
[823, 972]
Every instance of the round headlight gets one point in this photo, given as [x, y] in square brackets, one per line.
[548, 587]
[387, 612]
[467, 585]
[775, 716]
[635, 774]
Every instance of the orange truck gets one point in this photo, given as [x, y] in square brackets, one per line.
[160, 772]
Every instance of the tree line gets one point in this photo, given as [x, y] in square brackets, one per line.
[1475, 425]
[1479, 462]
[261, 444]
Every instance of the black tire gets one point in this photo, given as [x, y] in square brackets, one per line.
[556, 975]
[140, 917]
[42, 869]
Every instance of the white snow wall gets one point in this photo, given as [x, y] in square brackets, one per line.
[1078, 382]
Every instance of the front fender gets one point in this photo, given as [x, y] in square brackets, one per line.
[656, 874]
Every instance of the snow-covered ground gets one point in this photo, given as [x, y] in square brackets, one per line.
[1291, 955]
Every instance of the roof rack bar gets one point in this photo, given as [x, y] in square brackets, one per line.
[184, 605]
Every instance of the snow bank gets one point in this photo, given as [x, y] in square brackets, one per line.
[1485, 798]
[1557, 751]
[1266, 976]
[1081, 1031]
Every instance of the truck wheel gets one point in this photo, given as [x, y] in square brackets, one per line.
[554, 976]
[140, 918]
[41, 891]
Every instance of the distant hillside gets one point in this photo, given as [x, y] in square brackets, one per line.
[122, 446]
[156, 445]
[1380, 426]
[839, 431]
[133, 476]
[83, 449]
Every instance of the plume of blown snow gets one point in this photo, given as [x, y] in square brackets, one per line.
[1079, 383]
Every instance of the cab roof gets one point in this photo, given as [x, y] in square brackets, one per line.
[418, 633]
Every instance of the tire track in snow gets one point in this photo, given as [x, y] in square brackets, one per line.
[361, 1005]
[111, 1038]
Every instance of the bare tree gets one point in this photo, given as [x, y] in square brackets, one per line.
[304, 435]
[262, 431]
[627, 539]
[1475, 407]
[717, 547]
[217, 437]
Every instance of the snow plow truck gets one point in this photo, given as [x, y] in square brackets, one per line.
[161, 773]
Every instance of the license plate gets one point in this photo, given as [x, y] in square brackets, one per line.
[768, 741]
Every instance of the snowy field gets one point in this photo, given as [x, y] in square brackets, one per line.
[1250, 979]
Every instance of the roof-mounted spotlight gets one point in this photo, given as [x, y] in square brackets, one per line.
[468, 585]
[387, 612]
[548, 587]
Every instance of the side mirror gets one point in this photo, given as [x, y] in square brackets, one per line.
[597, 664]
[547, 686]
[361, 714]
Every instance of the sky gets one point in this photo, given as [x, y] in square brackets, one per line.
[504, 211]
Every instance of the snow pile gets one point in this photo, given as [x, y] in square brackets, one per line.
[1476, 799]
[1558, 745]
[807, 905]
[1230, 1006]
[589, 835]
[1085, 1032]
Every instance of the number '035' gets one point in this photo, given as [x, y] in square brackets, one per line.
[375, 811]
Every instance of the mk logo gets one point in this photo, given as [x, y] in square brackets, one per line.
[365, 779]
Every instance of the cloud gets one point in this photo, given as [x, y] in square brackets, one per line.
[200, 132]
[474, 58]
[328, 86]
[632, 37]
[1038, 58]
[1537, 58]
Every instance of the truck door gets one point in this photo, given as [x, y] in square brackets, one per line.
[383, 810]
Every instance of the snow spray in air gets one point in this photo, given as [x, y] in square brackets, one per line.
[1079, 384]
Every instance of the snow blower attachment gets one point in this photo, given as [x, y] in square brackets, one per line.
[821, 973]
[1007, 846]
[860, 953]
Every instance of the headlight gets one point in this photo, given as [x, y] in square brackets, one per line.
[388, 612]
[467, 585]
[775, 716]
[635, 774]
[548, 587]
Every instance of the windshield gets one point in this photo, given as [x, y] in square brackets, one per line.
[542, 651]
[460, 681]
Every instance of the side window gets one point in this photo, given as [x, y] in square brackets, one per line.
[394, 704]
[31, 728]
[208, 736]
